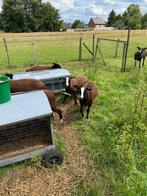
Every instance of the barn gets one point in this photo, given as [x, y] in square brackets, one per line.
[96, 23]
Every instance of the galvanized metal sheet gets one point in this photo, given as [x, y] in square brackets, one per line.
[43, 74]
[24, 107]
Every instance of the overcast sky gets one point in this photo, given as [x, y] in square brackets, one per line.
[71, 10]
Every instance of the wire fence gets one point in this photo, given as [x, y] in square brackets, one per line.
[24, 49]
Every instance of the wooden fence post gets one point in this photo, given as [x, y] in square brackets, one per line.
[123, 57]
[126, 51]
[80, 49]
[8, 58]
[116, 50]
[33, 53]
[93, 46]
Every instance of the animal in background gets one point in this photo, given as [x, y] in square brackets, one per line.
[73, 85]
[140, 56]
[88, 93]
[38, 67]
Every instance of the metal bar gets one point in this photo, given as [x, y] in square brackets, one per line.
[98, 48]
[116, 50]
[88, 49]
[113, 40]
[93, 46]
[6, 48]
[122, 65]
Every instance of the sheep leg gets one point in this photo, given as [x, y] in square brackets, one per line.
[135, 64]
[143, 61]
[64, 99]
[75, 98]
[58, 112]
[88, 110]
[81, 108]
[139, 64]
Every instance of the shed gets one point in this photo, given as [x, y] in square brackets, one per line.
[52, 77]
[25, 130]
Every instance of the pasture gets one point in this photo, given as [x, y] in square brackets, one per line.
[104, 155]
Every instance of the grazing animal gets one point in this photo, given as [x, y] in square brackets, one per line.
[88, 93]
[73, 85]
[52, 100]
[10, 75]
[23, 85]
[140, 56]
[38, 67]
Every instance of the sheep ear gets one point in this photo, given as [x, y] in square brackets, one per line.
[144, 48]
[89, 89]
[72, 77]
[138, 48]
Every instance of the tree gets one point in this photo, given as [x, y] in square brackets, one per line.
[77, 24]
[29, 15]
[111, 18]
[144, 21]
[133, 16]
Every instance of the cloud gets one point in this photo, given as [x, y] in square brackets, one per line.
[96, 10]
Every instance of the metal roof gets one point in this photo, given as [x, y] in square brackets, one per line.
[23, 107]
[98, 21]
[43, 74]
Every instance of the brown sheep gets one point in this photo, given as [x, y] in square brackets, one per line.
[73, 85]
[38, 67]
[52, 100]
[88, 93]
[23, 85]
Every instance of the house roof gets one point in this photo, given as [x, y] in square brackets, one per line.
[98, 21]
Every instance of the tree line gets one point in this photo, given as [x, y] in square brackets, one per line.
[38, 16]
[29, 16]
[131, 17]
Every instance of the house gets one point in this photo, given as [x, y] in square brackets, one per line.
[96, 23]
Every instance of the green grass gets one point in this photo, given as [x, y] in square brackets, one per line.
[115, 135]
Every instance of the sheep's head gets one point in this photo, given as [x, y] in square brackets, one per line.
[84, 90]
[10, 75]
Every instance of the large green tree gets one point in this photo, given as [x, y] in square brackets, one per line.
[144, 21]
[111, 18]
[77, 24]
[133, 16]
[29, 15]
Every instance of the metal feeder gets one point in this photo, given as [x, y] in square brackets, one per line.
[26, 131]
[53, 78]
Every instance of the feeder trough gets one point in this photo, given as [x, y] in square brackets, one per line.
[53, 78]
[26, 131]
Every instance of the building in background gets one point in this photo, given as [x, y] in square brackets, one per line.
[97, 23]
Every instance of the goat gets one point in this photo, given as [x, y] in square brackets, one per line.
[23, 85]
[52, 100]
[73, 85]
[139, 55]
[38, 67]
[88, 93]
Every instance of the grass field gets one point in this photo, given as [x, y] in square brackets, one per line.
[115, 135]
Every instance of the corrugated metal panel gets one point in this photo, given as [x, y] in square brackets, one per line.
[23, 107]
[43, 74]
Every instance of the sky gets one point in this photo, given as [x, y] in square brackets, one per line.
[71, 10]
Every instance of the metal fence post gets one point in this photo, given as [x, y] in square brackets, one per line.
[80, 49]
[116, 50]
[33, 53]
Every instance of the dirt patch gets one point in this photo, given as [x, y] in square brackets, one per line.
[36, 180]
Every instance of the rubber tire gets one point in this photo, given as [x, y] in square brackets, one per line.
[52, 158]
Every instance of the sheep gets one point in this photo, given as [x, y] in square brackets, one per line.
[23, 85]
[73, 85]
[88, 93]
[38, 67]
[52, 100]
[139, 55]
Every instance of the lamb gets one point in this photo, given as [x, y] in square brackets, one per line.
[23, 85]
[38, 67]
[139, 55]
[52, 100]
[88, 93]
[73, 85]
